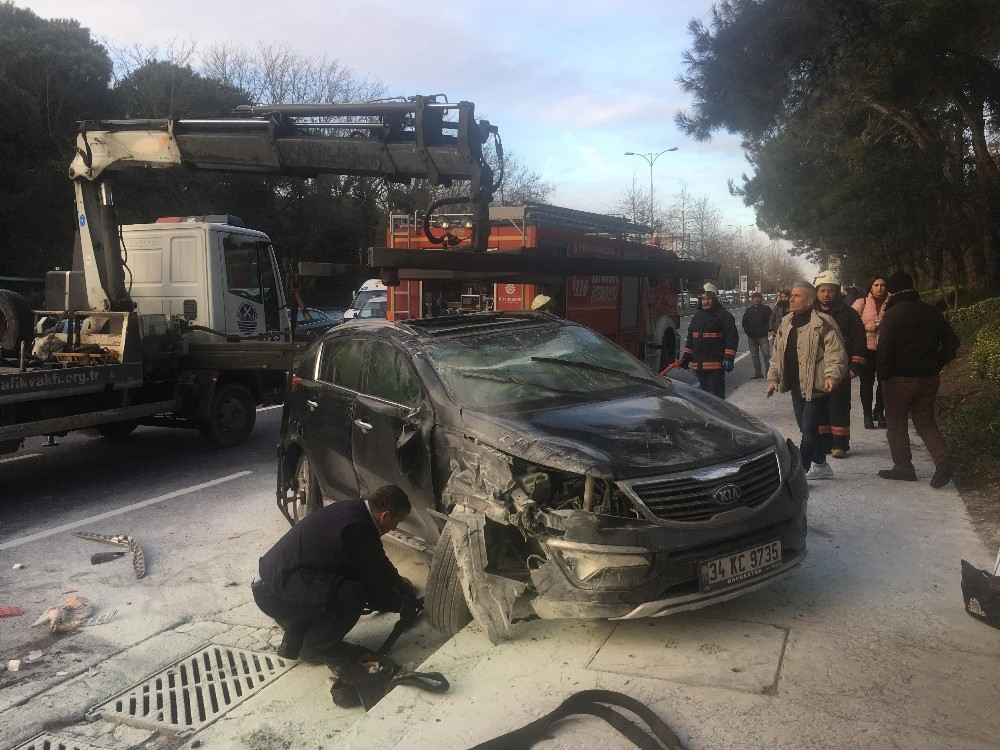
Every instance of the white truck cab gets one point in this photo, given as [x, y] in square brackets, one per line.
[213, 273]
[367, 291]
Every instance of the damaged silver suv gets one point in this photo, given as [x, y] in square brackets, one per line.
[551, 473]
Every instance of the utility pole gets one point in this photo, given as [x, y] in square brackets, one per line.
[650, 158]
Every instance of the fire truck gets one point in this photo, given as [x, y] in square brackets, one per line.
[638, 312]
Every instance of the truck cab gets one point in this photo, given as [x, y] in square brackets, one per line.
[210, 270]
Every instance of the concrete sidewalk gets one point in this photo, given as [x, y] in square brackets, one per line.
[865, 646]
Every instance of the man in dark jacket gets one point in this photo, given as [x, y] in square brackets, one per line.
[780, 310]
[711, 344]
[915, 342]
[835, 436]
[756, 324]
[316, 580]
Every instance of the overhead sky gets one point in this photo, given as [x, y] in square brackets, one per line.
[573, 84]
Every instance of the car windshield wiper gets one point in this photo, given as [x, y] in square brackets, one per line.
[596, 368]
[509, 379]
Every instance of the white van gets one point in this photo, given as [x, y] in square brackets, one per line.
[368, 290]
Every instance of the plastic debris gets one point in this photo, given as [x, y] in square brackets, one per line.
[66, 617]
[11, 611]
[33, 656]
[61, 674]
[18, 566]
[14, 665]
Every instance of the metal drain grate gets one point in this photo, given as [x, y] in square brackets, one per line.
[46, 741]
[194, 691]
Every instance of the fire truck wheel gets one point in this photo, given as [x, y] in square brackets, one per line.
[233, 414]
[668, 348]
[15, 320]
[444, 602]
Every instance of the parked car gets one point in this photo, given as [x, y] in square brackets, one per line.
[552, 474]
[312, 323]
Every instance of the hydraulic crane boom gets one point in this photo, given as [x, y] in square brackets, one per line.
[397, 140]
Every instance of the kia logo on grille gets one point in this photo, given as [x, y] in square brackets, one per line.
[727, 494]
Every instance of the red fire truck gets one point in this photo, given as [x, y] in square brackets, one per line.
[639, 313]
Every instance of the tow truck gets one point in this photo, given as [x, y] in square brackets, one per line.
[187, 322]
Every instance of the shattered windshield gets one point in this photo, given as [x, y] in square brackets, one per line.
[568, 364]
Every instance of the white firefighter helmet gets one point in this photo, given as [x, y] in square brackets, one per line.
[711, 289]
[826, 277]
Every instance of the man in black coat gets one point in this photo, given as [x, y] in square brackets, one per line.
[835, 436]
[914, 343]
[711, 344]
[756, 323]
[316, 580]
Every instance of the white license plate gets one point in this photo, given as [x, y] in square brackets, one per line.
[739, 566]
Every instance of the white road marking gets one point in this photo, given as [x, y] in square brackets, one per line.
[119, 511]
[268, 408]
[23, 456]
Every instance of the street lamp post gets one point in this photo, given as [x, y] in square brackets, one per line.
[650, 158]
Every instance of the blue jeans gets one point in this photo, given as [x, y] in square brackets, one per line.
[760, 346]
[809, 415]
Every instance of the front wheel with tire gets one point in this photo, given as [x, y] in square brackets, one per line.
[16, 320]
[444, 602]
[308, 497]
[232, 416]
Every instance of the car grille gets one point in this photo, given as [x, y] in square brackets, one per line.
[690, 497]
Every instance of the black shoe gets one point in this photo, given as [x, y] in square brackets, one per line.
[894, 473]
[942, 475]
[344, 695]
[869, 423]
[289, 647]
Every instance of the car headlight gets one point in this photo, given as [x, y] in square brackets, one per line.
[587, 561]
[783, 448]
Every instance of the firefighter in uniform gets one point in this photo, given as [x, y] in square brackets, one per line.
[835, 437]
[712, 340]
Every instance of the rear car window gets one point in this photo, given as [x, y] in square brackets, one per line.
[340, 363]
[391, 376]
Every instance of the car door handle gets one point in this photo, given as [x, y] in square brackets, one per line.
[364, 426]
[313, 405]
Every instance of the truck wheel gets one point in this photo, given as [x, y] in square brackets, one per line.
[308, 497]
[668, 348]
[444, 602]
[10, 446]
[117, 430]
[16, 320]
[234, 412]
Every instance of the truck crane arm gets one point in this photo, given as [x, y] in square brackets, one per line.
[396, 140]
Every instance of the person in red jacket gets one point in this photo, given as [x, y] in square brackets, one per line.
[712, 340]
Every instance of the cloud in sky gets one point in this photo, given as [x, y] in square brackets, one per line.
[572, 86]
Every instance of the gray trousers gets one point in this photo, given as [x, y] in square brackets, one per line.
[758, 347]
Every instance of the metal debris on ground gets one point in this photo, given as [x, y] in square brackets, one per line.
[138, 558]
[11, 611]
[66, 617]
[102, 557]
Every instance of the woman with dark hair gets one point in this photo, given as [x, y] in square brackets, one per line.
[871, 308]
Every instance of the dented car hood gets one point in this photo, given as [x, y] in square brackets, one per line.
[665, 430]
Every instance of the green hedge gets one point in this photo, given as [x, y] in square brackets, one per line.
[986, 351]
[968, 320]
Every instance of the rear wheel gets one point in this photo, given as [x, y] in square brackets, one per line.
[16, 320]
[444, 602]
[234, 412]
[308, 497]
